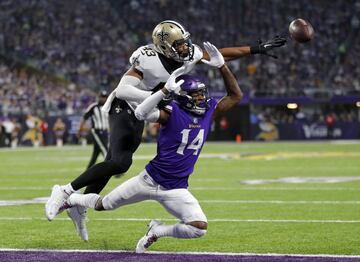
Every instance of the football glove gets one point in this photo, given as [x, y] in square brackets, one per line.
[264, 48]
[171, 85]
[216, 58]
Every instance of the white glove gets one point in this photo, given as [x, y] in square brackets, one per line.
[216, 58]
[171, 85]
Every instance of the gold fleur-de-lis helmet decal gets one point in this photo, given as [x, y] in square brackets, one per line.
[167, 35]
[163, 35]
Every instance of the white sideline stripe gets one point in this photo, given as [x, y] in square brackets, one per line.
[178, 253]
[214, 188]
[210, 220]
[277, 188]
[41, 200]
[279, 202]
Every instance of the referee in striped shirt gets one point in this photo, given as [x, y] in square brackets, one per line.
[99, 127]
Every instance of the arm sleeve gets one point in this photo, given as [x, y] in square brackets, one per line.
[127, 89]
[145, 108]
[153, 116]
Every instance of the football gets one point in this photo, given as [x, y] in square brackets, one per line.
[301, 30]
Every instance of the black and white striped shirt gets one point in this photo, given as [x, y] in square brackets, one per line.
[99, 119]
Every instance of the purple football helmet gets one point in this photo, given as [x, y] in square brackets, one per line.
[185, 100]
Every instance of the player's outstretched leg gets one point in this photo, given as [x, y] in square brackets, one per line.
[146, 241]
[59, 194]
[156, 230]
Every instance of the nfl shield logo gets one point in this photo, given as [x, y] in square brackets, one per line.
[195, 120]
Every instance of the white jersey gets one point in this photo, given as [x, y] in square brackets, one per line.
[154, 71]
[147, 60]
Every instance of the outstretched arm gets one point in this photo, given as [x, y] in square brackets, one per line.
[231, 53]
[234, 94]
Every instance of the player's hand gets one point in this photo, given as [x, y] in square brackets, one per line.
[171, 85]
[264, 48]
[216, 58]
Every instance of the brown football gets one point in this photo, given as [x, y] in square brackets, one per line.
[301, 30]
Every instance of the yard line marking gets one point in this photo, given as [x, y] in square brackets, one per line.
[302, 188]
[240, 188]
[210, 220]
[42, 200]
[178, 253]
[209, 188]
[281, 202]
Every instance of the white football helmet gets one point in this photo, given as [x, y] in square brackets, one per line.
[173, 41]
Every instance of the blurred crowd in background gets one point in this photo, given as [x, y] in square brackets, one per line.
[56, 55]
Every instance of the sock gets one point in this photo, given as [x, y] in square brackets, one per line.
[88, 200]
[68, 189]
[178, 230]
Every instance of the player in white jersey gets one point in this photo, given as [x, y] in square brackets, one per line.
[151, 66]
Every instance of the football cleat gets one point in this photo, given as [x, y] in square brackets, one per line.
[55, 202]
[78, 217]
[146, 241]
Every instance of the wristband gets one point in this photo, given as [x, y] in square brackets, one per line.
[256, 49]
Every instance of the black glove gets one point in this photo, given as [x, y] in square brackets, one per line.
[264, 48]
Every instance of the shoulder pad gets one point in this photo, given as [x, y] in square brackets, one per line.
[198, 53]
[143, 57]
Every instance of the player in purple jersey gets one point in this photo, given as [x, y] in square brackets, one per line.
[185, 125]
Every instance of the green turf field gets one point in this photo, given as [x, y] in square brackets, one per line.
[316, 217]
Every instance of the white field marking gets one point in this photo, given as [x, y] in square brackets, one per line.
[42, 200]
[177, 253]
[210, 220]
[317, 202]
[277, 188]
[302, 180]
[34, 188]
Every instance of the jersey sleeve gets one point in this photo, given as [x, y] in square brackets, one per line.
[198, 53]
[88, 111]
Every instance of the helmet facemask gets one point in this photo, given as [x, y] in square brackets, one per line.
[170, 39]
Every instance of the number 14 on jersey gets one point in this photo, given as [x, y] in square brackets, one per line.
[195, 145]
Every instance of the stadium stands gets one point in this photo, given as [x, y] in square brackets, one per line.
[88, 42]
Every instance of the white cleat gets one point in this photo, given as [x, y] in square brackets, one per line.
[78, 216]
[55, 202]
[146, 241]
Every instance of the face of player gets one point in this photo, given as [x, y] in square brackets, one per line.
[198, 97]
[182, 48]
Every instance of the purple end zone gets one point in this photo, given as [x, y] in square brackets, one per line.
[30, 256]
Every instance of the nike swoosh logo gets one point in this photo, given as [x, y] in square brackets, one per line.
[267, 45]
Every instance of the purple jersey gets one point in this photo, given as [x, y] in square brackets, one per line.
[179, 145]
